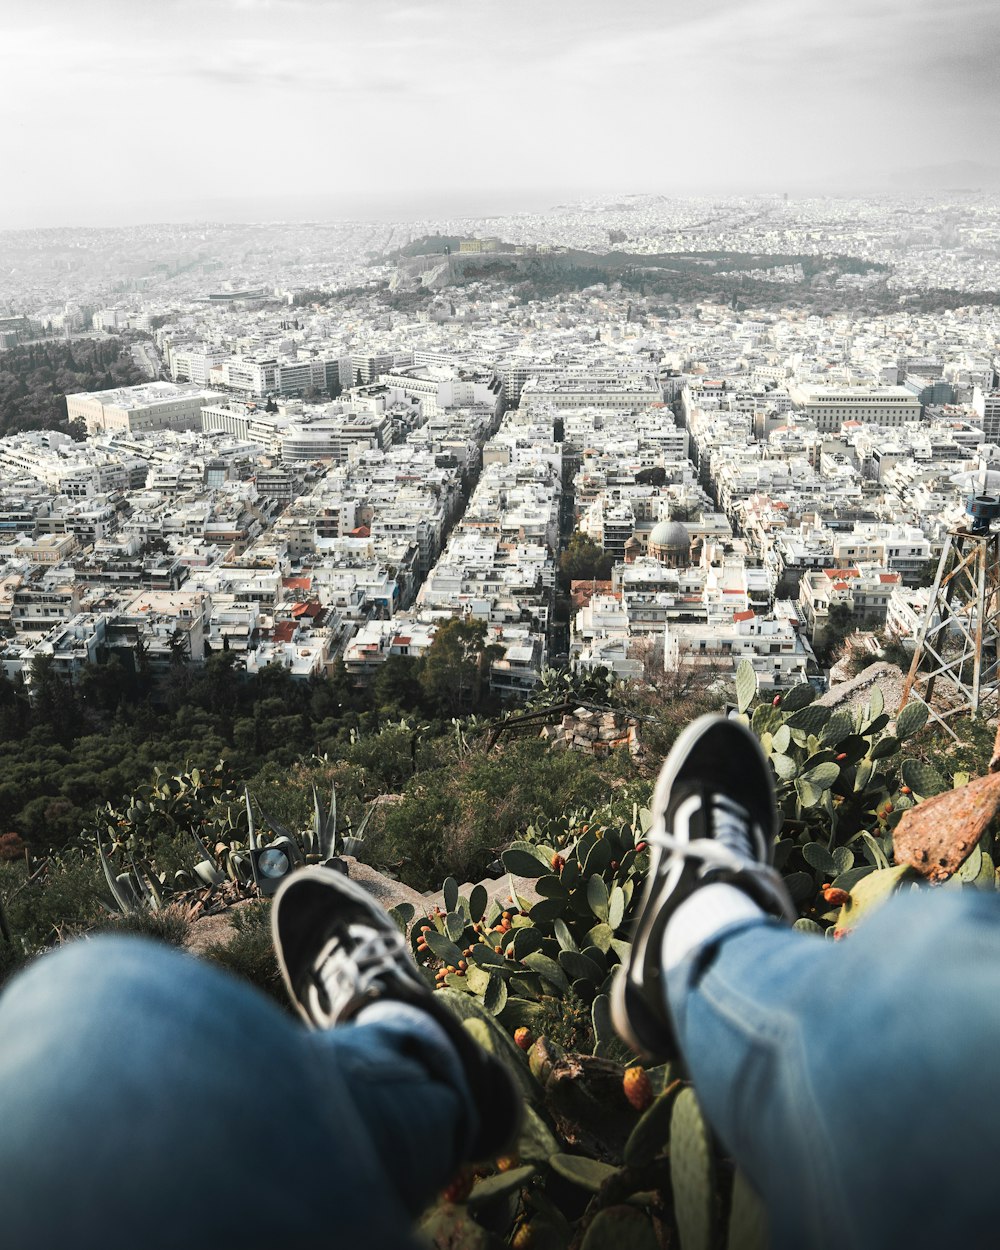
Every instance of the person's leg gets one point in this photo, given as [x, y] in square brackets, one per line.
[856, 1083]
[411, 1092]
[147, 1098]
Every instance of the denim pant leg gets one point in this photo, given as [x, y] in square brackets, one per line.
[149, 1099]
[857, 1083]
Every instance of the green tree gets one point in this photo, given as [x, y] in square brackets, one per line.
[397, 686]
[584, 560]
[53, 699]
[456, 664]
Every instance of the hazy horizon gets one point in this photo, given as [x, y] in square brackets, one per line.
[310, 109]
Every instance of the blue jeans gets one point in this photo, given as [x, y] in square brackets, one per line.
[147, 1099]
[857, 1084]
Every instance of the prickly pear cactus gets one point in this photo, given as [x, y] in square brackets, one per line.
[747, 1218]
[692, 1174]
[620, 1228]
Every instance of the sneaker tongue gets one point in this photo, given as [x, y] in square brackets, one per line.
[712, 816]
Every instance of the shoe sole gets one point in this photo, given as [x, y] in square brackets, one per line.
[649, 1035]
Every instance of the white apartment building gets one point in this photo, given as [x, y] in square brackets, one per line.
[864, 591]
[363, 368]
[830, 406]
[907, 610]
[773, 644]
[274, 375]
[194, 365]
[259, 377]
[515, 672]
[623, 393]
[986, 405]
[902, 549]
[335, 438]
[441, 387]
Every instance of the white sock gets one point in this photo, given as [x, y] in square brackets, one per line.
[708, 913]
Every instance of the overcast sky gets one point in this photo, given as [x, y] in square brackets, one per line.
[120, 110]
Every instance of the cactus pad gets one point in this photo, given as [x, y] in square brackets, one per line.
[692, 1174]
[587, 1173]
[747, 1218]
[620, 1228]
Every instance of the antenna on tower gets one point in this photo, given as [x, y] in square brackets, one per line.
[959, 640]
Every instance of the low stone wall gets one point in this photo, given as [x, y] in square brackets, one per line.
[594, 733]
[856, 691]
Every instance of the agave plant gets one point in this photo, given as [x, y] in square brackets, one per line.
[139, 888]
[318, 843]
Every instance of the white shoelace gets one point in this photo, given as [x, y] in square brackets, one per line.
[346, 971]
[732, 825]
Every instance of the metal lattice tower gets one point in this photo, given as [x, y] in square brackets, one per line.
[959, 641]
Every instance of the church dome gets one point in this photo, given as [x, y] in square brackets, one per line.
[670, 535]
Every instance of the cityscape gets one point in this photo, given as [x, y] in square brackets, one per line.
[756, 417]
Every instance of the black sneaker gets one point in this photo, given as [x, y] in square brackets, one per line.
[339, 951]
[714, 819]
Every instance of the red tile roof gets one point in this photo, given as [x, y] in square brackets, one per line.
[312, 608]
[582, 592]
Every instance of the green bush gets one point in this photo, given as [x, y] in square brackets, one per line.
[454, 820]
[64, 896]
[12, 959]
[249, 953]
[170, 925]
[396, 753]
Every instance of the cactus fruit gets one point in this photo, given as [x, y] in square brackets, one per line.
[835, 897]
[637, 1089]
[541, 1059]
[523, 1038]
[460, 1186]
[524, 1238]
